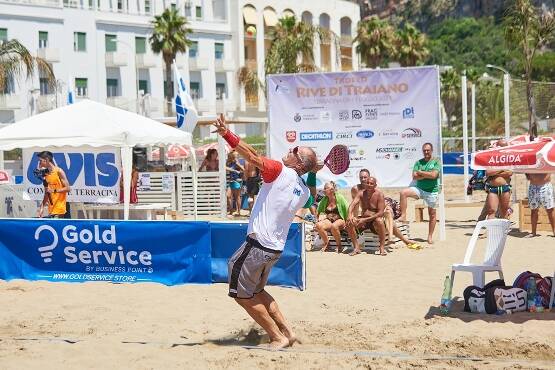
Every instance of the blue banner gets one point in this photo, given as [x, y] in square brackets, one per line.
[167, 252]
[105, 250]
[228, 237]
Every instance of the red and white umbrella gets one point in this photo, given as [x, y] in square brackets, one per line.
[203, 149]
[537, 156]
[173, 152]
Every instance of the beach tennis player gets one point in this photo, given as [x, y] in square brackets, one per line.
[282, 194]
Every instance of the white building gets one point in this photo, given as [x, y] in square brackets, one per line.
[100, 49]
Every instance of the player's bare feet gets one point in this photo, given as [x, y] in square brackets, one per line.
[279, 344]
[339, 249]
[430, 241]
[324, 248]
[355, 252]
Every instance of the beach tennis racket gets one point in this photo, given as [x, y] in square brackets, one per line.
[338, 159]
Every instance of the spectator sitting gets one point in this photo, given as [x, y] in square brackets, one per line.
[392, 212]
[331, 213]
[210, 162]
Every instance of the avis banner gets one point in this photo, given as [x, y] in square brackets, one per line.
[93, 173]
[104, 250]
[383, 116]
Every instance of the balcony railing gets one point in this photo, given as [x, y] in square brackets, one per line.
[48, 3]
[116, 59]
[346, 40]
[145, 61]
[47, 102]
[51, 55]
[9, 102]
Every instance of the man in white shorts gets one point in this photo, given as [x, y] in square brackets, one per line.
[282, 194]
[426, 174]
[540, 194]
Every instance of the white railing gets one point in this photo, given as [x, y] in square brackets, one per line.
[209, 199]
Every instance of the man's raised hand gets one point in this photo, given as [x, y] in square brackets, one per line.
[220, 125]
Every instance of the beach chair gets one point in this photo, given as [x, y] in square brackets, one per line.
[497, 230]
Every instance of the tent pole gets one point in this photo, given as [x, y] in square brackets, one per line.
[221, 170]
[126, 164]
[195, 182]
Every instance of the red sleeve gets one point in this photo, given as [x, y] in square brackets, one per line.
[271, 169]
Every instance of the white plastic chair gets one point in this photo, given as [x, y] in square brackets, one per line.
[497, 230]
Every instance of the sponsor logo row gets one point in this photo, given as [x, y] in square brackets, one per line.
[408, 133]
[353, 115]
[392, 152]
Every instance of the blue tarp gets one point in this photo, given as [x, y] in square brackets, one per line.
[227, 237]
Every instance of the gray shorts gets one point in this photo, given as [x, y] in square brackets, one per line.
[249, 267]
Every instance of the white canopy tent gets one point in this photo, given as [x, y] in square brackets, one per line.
[94, 124]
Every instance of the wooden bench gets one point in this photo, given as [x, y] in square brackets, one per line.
[525, 221]
[371, 240]
[419, 208]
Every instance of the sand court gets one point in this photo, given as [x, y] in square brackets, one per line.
[364, 311]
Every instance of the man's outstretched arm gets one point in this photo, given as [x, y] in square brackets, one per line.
[235, 142]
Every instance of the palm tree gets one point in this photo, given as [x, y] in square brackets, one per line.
[411, 46]
[528, 30]
[450, 90]
[16, 61]
[169, 37]
[375, 38]
[290, 40]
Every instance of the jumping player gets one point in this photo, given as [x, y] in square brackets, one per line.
[282, 194]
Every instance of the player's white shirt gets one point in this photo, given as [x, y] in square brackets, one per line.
[276, 204]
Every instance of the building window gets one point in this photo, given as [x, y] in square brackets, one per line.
[140, 45]
[219, 50]
[9, 85]
[3, 34]
[111, 87]
[147, 6]
[220, 91]
[173, 6]
[43, 39]
[143, 85]
[198, 12]
[111, 44]
[81, 87]
[120, 5]
[193, 49]
[195, 90]
[79, 41]
[188, 9]
[43, 85]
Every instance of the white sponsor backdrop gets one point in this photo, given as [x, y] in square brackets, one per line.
[383, 116]
[93, 173]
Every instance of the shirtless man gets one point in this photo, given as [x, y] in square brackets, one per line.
[498, 187]
[372, 202]
[540, 194]
[252, 181]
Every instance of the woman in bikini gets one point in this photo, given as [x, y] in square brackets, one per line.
[210, 162]
[331, 213]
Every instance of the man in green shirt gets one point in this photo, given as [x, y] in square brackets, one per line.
[425, 186]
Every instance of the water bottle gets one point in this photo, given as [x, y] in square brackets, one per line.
[445, 305]
[531, 292]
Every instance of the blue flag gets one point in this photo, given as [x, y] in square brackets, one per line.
[185, 110]
[69, 92]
